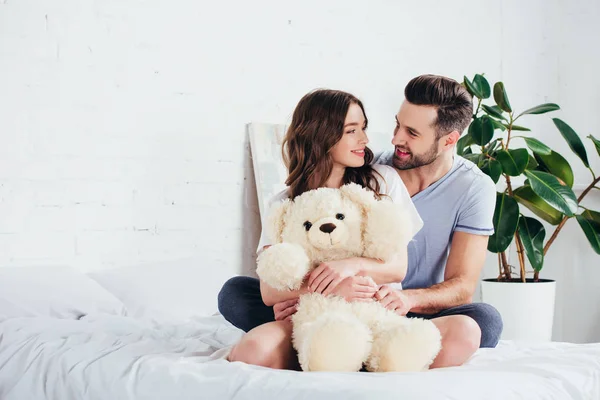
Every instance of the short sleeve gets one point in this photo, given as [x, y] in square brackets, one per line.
[265, 240]
[476, 215]
[393, 186]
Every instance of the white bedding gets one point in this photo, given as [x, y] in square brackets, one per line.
[116, 357]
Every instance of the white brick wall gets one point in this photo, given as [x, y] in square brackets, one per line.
[122, 122]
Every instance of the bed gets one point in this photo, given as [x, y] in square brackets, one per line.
[117, 357]
[114, 335]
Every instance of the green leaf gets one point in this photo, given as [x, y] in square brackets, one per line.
[498, 124]
[549, 188]
[532, 234]
[592, 215]
[493, 169]
[573, 140]
[536, 146]
[471, 88]
[501, 97]
[493, 111]
[473, 157]
[481, 130]
[596, 143]
[517, 128]
[556, 164]
[463, 143]
[591, 230]
[506, 217]
[482, 86]
[541, 109]
[526, 196]
[513, 162]
[491, 147]
[531, 163]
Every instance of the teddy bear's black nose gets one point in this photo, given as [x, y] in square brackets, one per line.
[327, 228]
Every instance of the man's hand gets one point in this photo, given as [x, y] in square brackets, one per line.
[394, 300]
[330, 274]
[285, 309]
[356, 288]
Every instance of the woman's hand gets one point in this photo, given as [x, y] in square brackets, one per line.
[356, 288]
[330, 274]
[394, 300]
[285, 309]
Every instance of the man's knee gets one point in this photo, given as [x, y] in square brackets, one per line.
[224, 299]
[490, 323]
[230, 299]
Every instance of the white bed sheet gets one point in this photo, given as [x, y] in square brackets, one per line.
[113, 357]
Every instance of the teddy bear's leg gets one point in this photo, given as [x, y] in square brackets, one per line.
[328, 336]
[333, 342]
[404, 345]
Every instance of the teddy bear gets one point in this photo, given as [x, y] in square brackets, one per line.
[330, 333]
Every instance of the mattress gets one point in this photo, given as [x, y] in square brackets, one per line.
[118, 357]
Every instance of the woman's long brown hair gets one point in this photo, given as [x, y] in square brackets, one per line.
[317, 125]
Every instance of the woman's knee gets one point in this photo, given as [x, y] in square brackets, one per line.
[465, 333]
[269, 345]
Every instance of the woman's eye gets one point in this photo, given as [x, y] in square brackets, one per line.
[307, 225]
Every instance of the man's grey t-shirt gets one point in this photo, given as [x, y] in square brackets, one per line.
[462, 200]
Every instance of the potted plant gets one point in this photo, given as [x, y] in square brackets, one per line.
[535, 185]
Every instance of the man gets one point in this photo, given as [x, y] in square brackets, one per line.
[456, 202]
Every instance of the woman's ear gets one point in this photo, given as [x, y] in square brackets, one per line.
[276, 220]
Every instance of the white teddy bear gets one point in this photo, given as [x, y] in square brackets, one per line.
[329, 333]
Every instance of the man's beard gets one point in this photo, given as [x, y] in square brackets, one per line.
[416, 161]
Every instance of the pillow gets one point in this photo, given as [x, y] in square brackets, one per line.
[165, 291]
[53, 291]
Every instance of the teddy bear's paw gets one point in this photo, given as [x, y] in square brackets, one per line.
[405, 347]
[338, 343]
[283, 266]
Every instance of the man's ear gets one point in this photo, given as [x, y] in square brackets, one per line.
[276, 219]
[451, 139]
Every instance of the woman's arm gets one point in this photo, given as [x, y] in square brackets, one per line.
[329, 274]
[272, 296]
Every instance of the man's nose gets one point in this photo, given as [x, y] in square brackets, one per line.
[398, 137]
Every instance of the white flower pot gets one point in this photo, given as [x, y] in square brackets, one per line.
[527, 309]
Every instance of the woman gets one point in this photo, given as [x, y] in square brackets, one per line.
[325, 146]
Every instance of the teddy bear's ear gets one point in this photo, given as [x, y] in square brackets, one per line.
[276, 219]
[359, 195]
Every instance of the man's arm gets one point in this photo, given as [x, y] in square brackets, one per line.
[463, 268]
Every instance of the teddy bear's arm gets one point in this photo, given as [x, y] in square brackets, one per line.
[283, 266]
[387, 231]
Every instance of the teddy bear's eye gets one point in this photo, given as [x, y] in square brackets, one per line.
[339, 216]
[307, 225]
